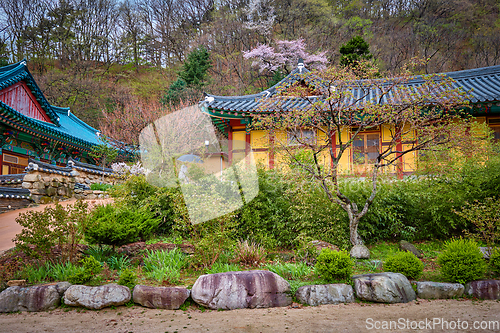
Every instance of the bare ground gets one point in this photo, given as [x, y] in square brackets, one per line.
[326, 318]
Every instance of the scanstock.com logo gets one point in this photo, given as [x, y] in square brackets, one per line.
[216, 176]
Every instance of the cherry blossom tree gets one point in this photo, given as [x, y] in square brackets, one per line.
[285, 56]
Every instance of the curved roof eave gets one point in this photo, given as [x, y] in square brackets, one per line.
[17, 72]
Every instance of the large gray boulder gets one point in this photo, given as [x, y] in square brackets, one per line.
[160, 297]
[325, 294]
[483, 289]
[360, 252]
[409, 247]
[35, 298]
[97, 297]
[384, 288]
[437, 290]
[238, 290]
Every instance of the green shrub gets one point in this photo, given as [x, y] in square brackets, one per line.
[35, 274]
[100, 187]
[118, 226]
[91, 268]
[100, 252]
[405, 263]
[128, 278]
[290, 271]
[461, 261]
[334, 265]
[485, 217]
[495, 260]
[63, 226]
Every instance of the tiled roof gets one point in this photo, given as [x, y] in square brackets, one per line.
[481, 84]
[67, 127]
[14, 193]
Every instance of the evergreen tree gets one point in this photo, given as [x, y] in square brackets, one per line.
[194, 70]
[354, 50]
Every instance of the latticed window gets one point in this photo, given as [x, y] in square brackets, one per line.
[301, 136]
[365, 148]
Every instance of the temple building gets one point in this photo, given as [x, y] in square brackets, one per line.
[30, 127]
[233, 117]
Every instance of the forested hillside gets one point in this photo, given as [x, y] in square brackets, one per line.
[94, 55]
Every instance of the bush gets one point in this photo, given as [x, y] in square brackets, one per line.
[334, 265]
[54, 226]
[249, 253]
[405, 263]
[462, 261]
[495, 260]
[485, 217]
[128, 278]
[118, 226]
[91, 268]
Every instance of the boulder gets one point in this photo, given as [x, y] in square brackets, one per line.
[17, 283]
[384, 288]
[97, 297]
[320, 245]
[325, 294]
[437, 290]
[35, 298]
[360, 252]
[237, 290]
[486, 252]
[160, 297]
[483, 289]
[409, 247]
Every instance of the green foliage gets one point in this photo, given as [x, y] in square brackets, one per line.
[53, 226]
[334, 265]
[63, 271]
[214, 238]
[104, 152]
[290, 271]
[354, 50]
[495, 260]
[306, 252]
[100, 187]
[164, 265]
[101, 253]
[117, 226]
[35, 274]
[405, 263]
[118, 262]
[219, 267]
[462, 261]
[175, 93]
[485, 217]
[194, 69]
[128, 278]
[91, 268]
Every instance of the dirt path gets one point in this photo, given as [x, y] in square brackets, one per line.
[9, 228]
[327, 318]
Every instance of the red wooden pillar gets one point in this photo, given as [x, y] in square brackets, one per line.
[271, 149]
[230, 144]
[399, 147]
[247, 145]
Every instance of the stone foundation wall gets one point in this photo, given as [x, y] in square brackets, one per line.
[46, 185]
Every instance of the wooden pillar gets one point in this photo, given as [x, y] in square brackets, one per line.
[399, 147]
[230, 144]
[247, 145]
[271, 149]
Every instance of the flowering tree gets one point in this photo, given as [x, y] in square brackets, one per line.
[286, 54]
[420, 116]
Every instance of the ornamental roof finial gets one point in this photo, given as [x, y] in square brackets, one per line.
[300, 65]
